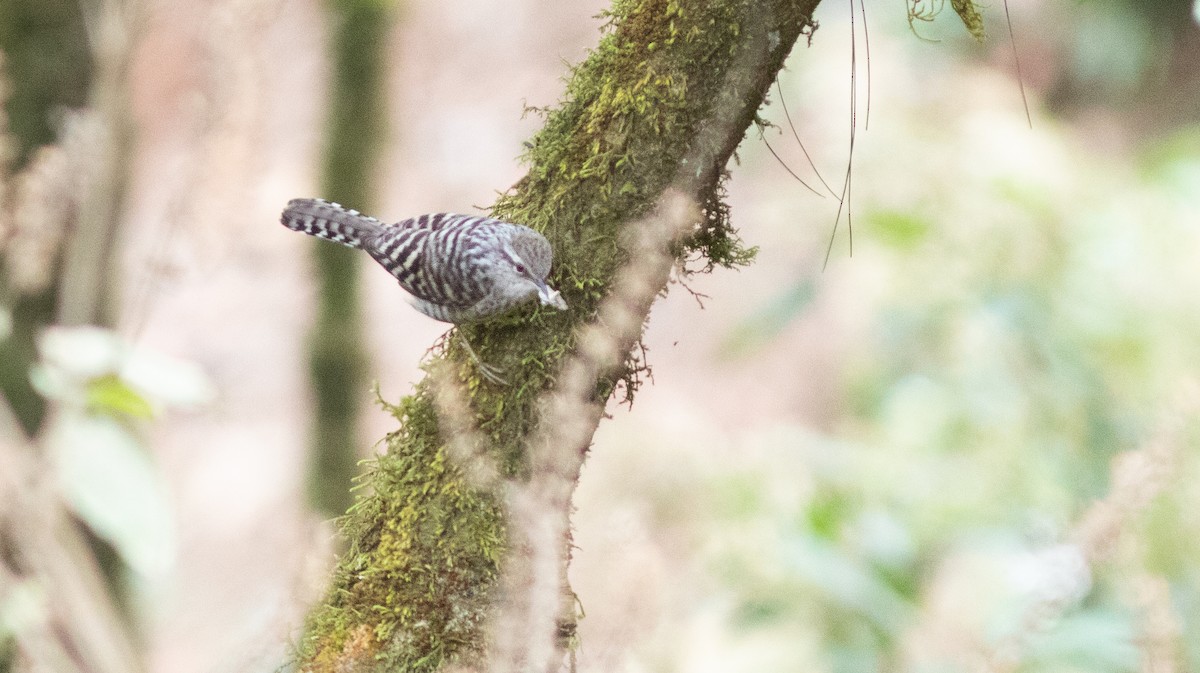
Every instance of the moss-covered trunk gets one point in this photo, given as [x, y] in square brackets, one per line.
[663, 101]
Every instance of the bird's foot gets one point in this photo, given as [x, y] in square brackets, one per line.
[488, 371]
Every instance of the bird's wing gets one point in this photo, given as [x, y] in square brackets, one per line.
[437, 258]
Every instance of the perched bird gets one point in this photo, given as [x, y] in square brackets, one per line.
[457, 268]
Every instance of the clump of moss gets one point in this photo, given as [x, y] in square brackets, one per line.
[425, 548]
[967, 11]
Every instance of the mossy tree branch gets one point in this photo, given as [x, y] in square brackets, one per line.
[662, 102]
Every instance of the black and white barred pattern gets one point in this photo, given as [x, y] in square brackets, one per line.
[458, 268]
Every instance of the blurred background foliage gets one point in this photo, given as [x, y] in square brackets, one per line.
[1029, 314]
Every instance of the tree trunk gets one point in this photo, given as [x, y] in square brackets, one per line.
[46, 65]
[336, 355]
[443, 549]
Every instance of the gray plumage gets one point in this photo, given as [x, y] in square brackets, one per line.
[458, 268]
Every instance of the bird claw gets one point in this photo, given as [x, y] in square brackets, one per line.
[491, 373]
[488, 371]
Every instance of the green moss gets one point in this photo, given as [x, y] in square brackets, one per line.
[968, 12]
[425, 548]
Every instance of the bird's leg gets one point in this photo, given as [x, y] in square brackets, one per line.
[489, 372]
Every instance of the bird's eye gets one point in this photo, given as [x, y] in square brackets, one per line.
[520, 268]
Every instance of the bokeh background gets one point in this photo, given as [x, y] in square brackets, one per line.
[889, 461]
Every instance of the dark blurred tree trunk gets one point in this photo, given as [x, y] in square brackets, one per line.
[337, 359]
[660, 104]
[46, 68]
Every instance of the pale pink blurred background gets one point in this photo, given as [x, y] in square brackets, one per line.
[229, 105]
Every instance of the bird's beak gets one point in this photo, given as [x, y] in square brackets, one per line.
[549, 296]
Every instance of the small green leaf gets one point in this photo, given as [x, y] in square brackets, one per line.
[110, 395]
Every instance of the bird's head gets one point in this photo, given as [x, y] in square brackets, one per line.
[525, 263]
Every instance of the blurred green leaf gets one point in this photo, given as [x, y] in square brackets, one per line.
[829, 512]
[847, 583]
[902, 230]
[1099, 641]
[111, 484]
[111, 395]
[762, 611]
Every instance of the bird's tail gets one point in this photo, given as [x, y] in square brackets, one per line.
[328, 220]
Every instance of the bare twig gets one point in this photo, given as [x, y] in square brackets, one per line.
[466, 445]
[535, 593]
[1159, 637]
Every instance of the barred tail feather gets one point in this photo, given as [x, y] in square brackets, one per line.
[328, 220]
